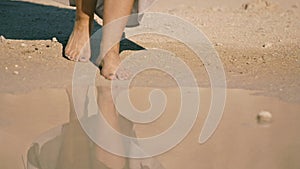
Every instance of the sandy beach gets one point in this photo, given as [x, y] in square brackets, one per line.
[257, 42]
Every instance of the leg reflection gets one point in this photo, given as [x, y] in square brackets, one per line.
[69, 147]
[75, 147]
[108, 110]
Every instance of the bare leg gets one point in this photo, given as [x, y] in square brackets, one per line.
[81, 31]
[108, 110]
[115, 18]
[74, 151]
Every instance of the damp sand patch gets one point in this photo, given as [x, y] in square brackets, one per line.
[240, 140]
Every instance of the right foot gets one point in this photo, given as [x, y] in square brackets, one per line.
[110, 67]
[78, 47]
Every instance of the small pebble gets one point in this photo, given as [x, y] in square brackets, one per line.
[54, 39]
[29, 57]
[264, 117]
[218, 44]
[16, 72]
[16, 66]
[203, 24]
[6, 68]
[23, 45]
[2, 38]
[267, 45]
[245, 6]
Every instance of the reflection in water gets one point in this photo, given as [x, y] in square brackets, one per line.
[239, 142]
[68, 146]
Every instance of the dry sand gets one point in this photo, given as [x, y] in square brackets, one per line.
[258, 43]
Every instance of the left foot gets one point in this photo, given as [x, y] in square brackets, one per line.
[110, 67]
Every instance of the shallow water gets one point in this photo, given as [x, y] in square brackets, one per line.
[36, 131]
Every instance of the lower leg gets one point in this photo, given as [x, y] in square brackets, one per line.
[82, 29]
[115, 18]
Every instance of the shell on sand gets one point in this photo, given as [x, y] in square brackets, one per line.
[264, 117]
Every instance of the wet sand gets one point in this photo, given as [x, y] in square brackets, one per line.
[239, 142]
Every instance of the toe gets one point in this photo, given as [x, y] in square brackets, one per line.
[67, 54]
[111, 76]
[83, 59]
[108, 76]
[74, 56]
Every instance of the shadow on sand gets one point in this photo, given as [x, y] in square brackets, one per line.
[31, 21]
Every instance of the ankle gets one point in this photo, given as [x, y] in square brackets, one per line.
[110, 50]
[84, 21]
[110, 56]
[82, 24]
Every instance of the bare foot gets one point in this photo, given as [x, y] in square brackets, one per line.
[78, 48]
[110, 67]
